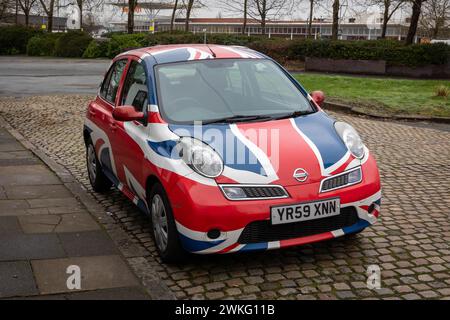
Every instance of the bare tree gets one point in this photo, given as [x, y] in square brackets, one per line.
[49, 7]
[311, 11]
[174, 11]
[416, 11]
[335, 23]
[130, 23]
[262, 10]
[245, 16]
[189, 6]
[26, 6]
[6, 8]
[435, 17]
[238, 7]
[87, 6]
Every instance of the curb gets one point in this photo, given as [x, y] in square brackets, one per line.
[152, 283]
[333, 106]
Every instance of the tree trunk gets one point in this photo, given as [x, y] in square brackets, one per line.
[16, 19]
[263, 24]
[172, 20]
[311, 8]
[335, 26]
[244, 24]
[387, 3]
[416, 10]
[188, 15]
[26, 13]
[80, 6]
[50, 16]
[131, 7]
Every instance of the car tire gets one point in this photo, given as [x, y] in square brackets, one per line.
[164, 230]
[98, 180]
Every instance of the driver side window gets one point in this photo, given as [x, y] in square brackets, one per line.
[135, 91]
[112, 81]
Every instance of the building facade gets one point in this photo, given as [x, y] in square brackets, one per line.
[351, 29]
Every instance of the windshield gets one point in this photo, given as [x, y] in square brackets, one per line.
[217, 89]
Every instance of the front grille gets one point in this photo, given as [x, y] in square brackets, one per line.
[264, 231]
[264, 192]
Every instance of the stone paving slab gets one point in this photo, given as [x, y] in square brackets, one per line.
[16, 279]
[43, 223]
[36, 192]
[44, 229]
[9, 225]
[10, 146]
[2, 193]
[89, 243]
[99, 272]
[50, 202]
[27, 175]
[15, 155]
[30, 246]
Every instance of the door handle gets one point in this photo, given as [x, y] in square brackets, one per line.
[92, 113]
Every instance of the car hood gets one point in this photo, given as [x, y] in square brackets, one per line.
[270, 152]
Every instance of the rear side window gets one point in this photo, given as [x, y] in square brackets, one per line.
[112, 81]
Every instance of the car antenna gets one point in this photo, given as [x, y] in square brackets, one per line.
[213, 53]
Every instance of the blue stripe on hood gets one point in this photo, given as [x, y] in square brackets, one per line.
[319, 128]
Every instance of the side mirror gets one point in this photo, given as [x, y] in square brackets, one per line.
[318, 97]
[127, 113]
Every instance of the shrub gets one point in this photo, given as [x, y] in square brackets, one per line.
[442, 91]
[393, 52]
[97, 49]
[14, 39]
[123, 42]
[72, 44]
[42, 45]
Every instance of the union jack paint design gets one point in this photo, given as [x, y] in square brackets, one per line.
[132, 152]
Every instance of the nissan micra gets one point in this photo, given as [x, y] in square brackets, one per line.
[226, 152]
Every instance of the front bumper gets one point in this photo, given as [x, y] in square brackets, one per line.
[199, 209]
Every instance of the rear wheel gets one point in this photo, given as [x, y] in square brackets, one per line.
[98, 180]
[164, 229]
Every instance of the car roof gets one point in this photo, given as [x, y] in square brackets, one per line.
[189, 52]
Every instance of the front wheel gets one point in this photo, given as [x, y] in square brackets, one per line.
[165, 232]
[98, 180]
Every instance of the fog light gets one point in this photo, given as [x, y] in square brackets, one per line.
[213, 234]
[354, 176]
[234, 192]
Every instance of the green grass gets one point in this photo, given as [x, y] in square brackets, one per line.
[384, 96]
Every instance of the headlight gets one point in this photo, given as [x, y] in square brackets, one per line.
[351, 138]
[201, 157]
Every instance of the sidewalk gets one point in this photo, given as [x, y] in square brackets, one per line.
[44, 229]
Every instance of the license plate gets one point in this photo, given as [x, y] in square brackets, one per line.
[305, 211]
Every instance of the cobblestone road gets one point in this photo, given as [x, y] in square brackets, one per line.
[411, 243]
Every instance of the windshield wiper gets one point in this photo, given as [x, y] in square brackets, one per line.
[238, 118]
[293, 114]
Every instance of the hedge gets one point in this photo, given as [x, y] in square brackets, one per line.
[393, 52]
[42, 45]
[72, 44]
[14, 39]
